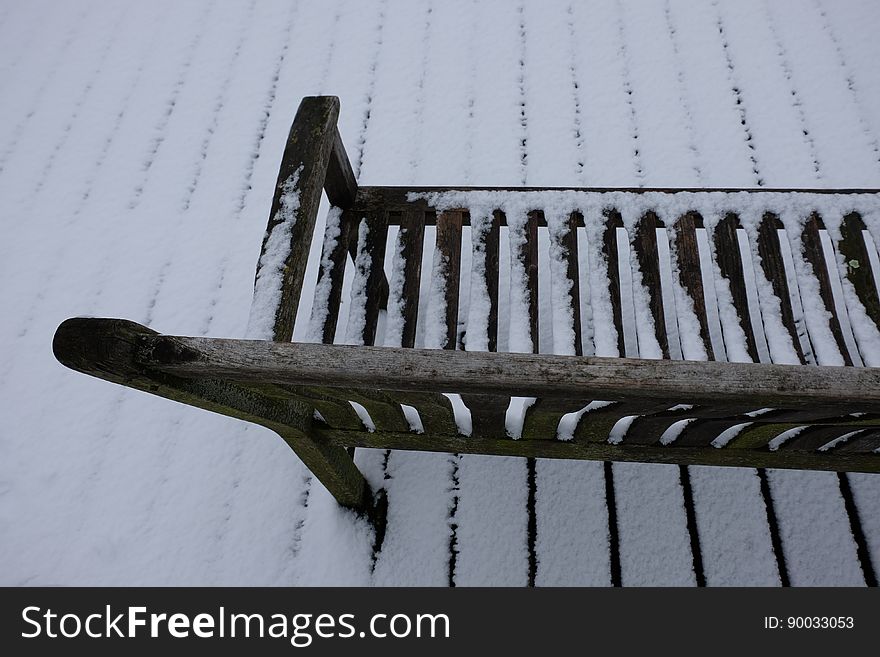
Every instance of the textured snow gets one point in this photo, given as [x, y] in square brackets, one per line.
[267, 289]
[139, 151]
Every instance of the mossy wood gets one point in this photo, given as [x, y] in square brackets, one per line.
[303, 392]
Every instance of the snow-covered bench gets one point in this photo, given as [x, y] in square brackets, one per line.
[682, 402]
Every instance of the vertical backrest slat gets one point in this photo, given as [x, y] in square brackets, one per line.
[434, 409]
[376, 292]
[814, 253]
[542, 418]
[529, 257]
[729, 256]
[332, 267]
[411, 237]
[773, 264]
[730, 263]
[449, 249]
[609, 250]
[488, 412]
[858, 264]
[569, 244]
[645, 245]
[689, 272]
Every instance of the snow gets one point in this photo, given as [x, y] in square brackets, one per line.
[139, 151]
[270, 268]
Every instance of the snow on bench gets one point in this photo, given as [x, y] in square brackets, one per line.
[791, 274]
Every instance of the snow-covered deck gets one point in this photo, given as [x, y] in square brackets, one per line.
[139, 145]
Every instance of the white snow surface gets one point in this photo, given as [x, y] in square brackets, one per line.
[139, 151]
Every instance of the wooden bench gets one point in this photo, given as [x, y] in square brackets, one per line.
[664, 409]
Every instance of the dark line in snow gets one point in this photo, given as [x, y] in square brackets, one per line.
[470, 127]
[269, 103]
[455, 459]
[863, 551]
[415, 158]
[796, 101]
[613, 531]
[692, 526]
[683, 95]
[740, 104]
[454, 489]
[120, 116]
[161, 129]
[112, 39]
[35, 104]
[628, 90]
[365, 124]
[850, 504]
[576, 95]
[157, 289]
[531, 478]
[850, 81]
[773, 524]
[521, 81]
[48, 277]
[247, 186]
[684, 476]
[532, 527]
[219, 102]
[329, 59]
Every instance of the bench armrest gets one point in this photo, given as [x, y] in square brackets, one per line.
[314, 159]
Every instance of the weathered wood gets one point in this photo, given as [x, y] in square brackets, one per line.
[773, 265]
[340, 183]
[449, 249]
[435, 411]
[866, 443]
[529, 256]
[336, 412]
[542, 418]
[569, 245]
[209, 373]
[304, 168]
[490, 241]
[334, 257]
[412, 237]
[814, 437]
[398, 198]
[108, 349]
[706, 426]
[704, 431]
[815, 256]
[730, 263]
[384, 409]
[649, 429]
[489, 412]
[596, 424]
[695, 382]
[689, 271]
[600, 451]
[373, 261]
[645, 245]
[858, 264]
[609, 250]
